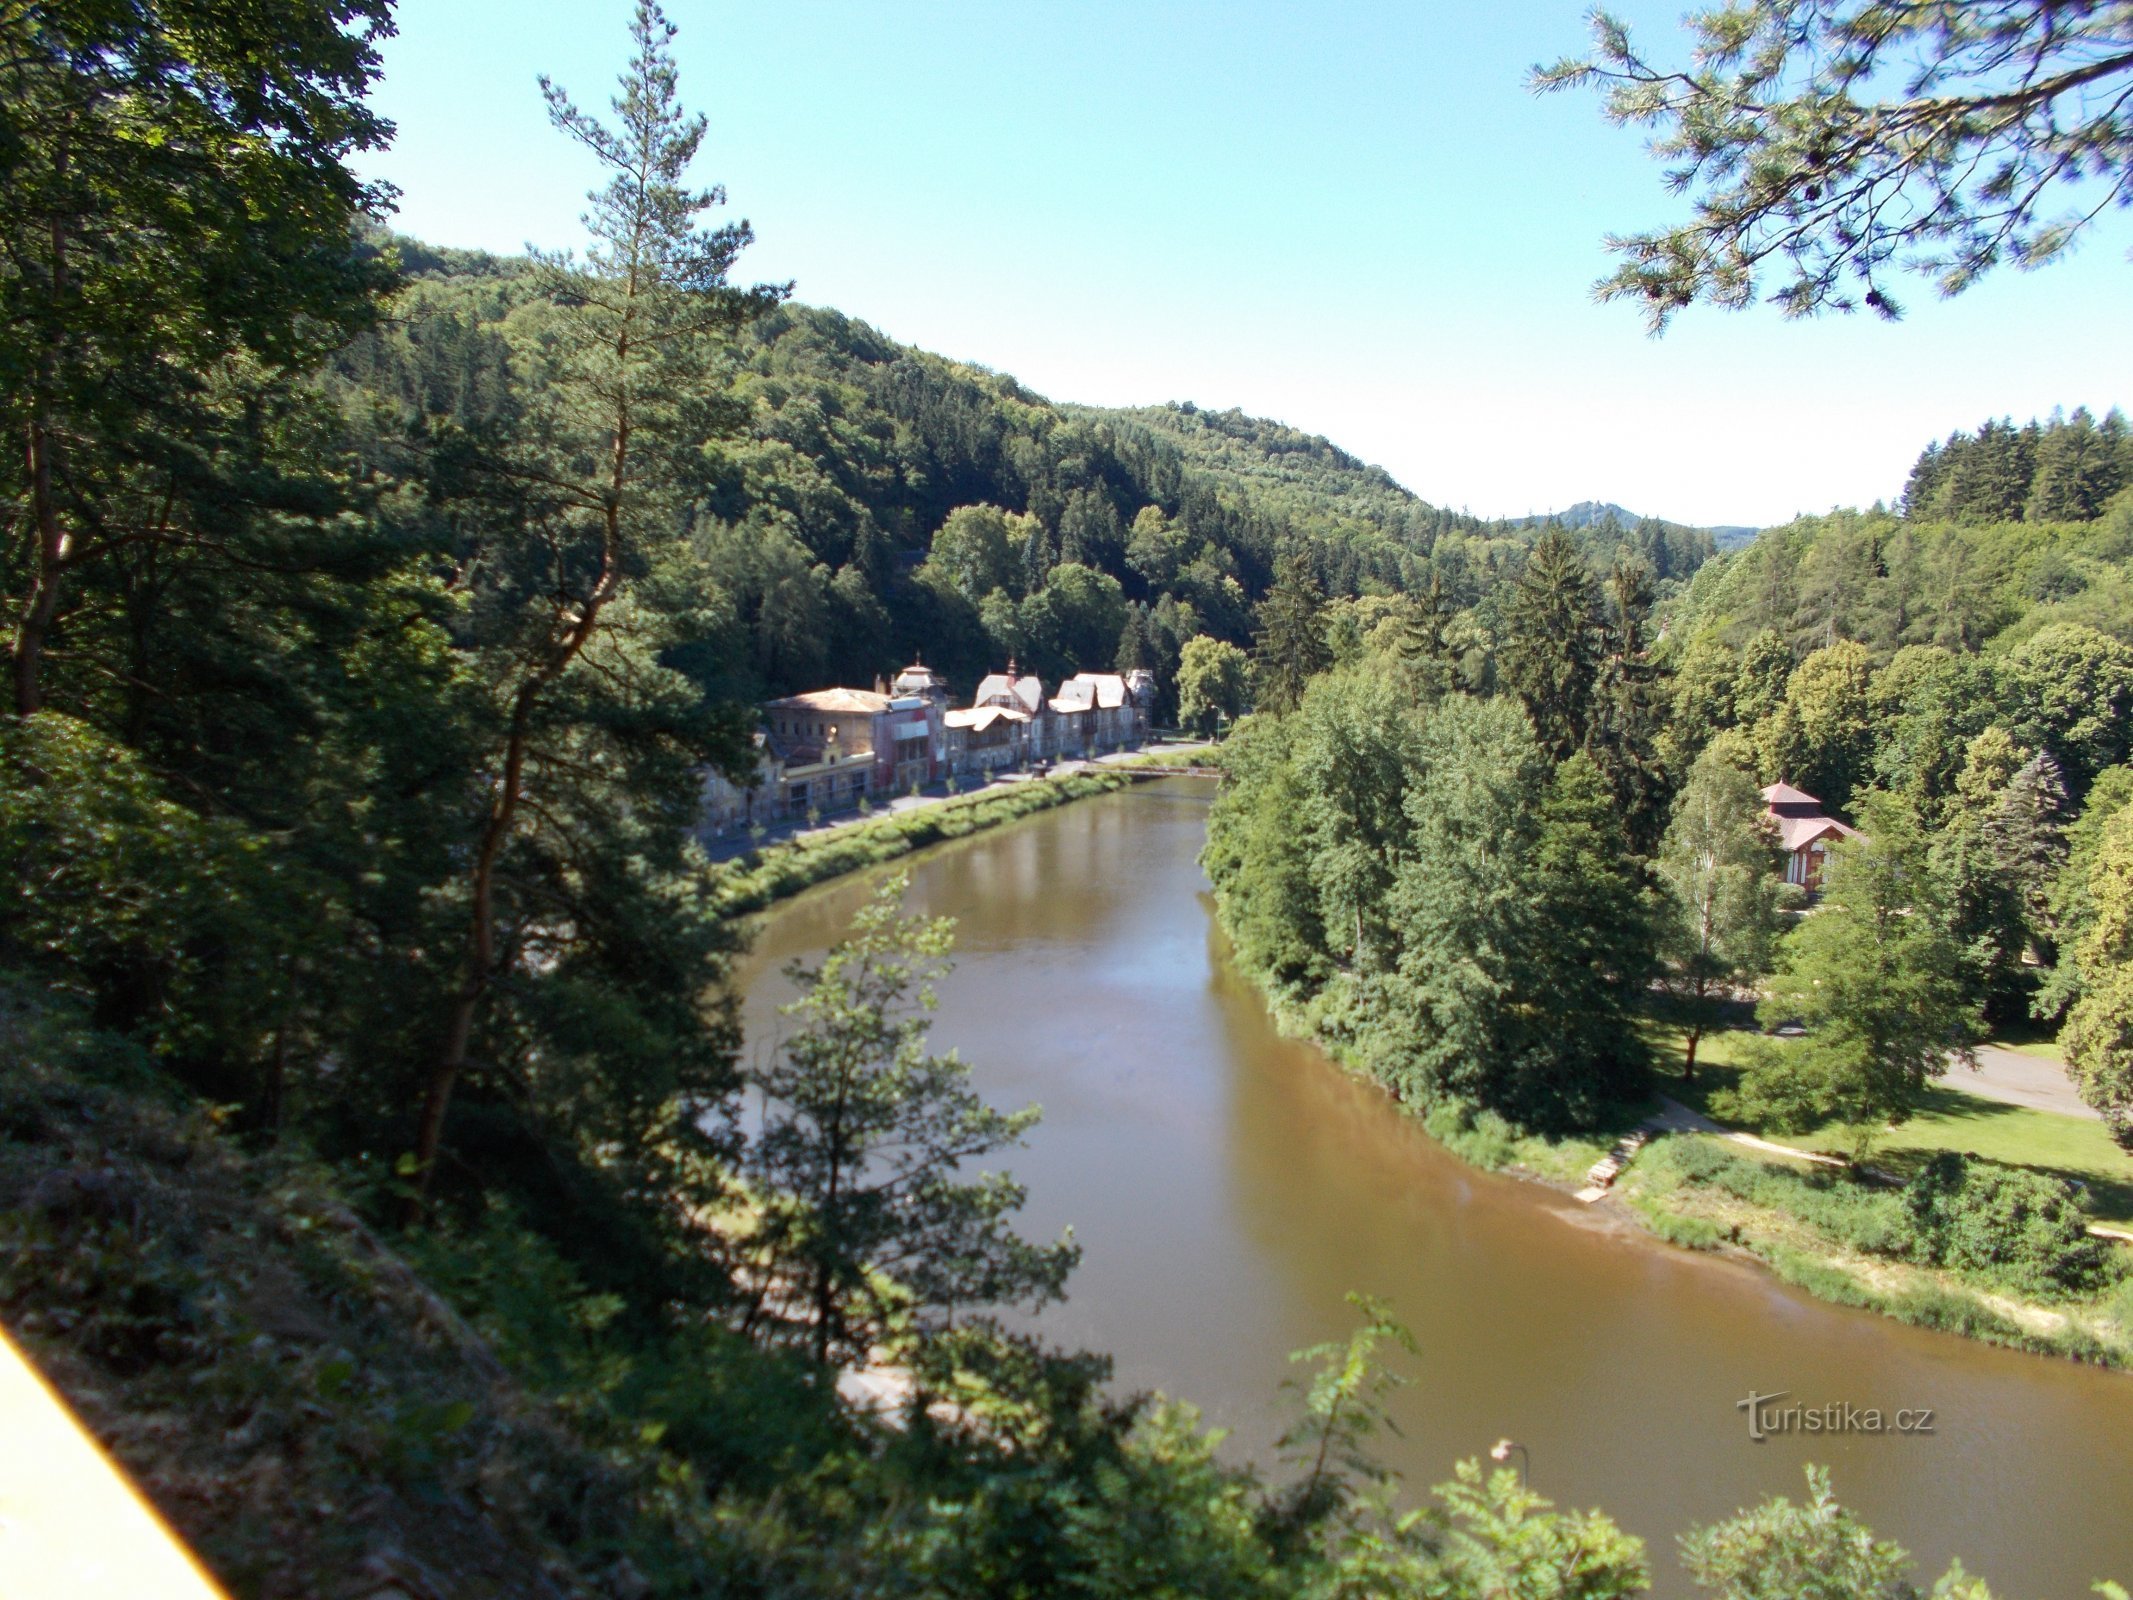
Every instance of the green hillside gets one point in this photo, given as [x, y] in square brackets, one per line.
[1112, 535]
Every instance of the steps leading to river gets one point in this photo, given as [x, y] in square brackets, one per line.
[1601, 1175]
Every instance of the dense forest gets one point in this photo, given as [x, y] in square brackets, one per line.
[881, 502]
[372, 1164]
[2063, 470]
[1504, 805]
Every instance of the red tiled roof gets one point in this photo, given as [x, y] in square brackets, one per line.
[1800, 818]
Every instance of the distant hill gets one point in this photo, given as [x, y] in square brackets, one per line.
[1587, 513]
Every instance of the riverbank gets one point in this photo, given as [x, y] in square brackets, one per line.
[759, 879]
[1700, 1192]
[1694, 1191]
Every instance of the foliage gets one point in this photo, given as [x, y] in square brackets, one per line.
[578, 583]
[1820, 737]
[1834, 143]
[1816, 1551]
[1467, 921]
[2020, 1229]
[177, 234]
[2066, 470]
[857, 1155]
[1289, 645]
[2098, 1037]
[1503, 1540]
[1343, 1409]
[1552, 646]
[1213, 683]
[1523, 938]
[1258, 861]
[1718, 918]
[1841, 1207]
[1877, 981]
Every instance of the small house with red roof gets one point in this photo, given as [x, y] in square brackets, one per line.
[1805, 832]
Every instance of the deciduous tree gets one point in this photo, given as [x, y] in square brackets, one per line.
[1877, 980]
[2099, 1029]
[1214, 681]
[176, 219]
[1816, 1551]
[1821, 737]
[1718, 920]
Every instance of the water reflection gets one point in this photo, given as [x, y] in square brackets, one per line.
[1230, 1186]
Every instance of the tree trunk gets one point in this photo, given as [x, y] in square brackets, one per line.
[496, 832]
[54, 549]
[53, 552]
[1688, 1067]
[480, 960]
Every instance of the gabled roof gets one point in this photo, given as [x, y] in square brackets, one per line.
[1796, 833]
[999, 688]
[1109, 687]
[834, 700]
[1800, 818]
[1075, 695]
[979, 718]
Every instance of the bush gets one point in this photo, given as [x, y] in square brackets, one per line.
[2020, 1229]
[1834, 1203]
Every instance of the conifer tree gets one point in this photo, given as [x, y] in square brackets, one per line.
[2078, 470]
[863, 1135]
[1290, 643]
[1553, 642]
[1837, 143]
[589, 486]
[1624, 733]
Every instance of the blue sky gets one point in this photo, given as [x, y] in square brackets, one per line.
[1353, 218]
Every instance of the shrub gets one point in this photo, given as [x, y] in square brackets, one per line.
[2020, 1229]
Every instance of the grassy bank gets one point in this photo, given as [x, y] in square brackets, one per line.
[761, 878]
[2077, 1149]
[1827, 1234]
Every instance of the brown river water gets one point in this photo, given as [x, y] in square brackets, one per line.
[1229, 1186]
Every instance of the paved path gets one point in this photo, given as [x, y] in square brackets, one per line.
[2020, 1080]
[1674, 1117]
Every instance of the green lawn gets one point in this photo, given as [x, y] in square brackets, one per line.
[2071, 1147]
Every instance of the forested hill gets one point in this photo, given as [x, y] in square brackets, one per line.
[1077, 537]
[1591, 513]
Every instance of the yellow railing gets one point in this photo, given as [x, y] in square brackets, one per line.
[72, 1525]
